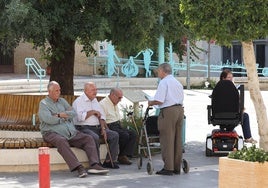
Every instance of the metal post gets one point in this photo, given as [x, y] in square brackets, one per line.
[161, 44]
[44, 168]
[171, 62]
[188, 65]
[28, 71]
[208, 69]
[40, 84]
[94, 67]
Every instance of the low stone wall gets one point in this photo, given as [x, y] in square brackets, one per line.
[26, 159]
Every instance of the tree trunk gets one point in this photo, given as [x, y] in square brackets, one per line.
[255, 94]
[62, 69]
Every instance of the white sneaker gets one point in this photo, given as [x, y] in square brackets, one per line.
[97, 169]
[251, 140]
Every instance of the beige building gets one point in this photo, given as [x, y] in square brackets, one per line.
[16, 63]
[84, 66]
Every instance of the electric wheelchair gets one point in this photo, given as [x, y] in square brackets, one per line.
[225, 111]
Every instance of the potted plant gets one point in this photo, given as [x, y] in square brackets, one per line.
[247, 167]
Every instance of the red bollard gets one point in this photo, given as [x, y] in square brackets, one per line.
[44, 167]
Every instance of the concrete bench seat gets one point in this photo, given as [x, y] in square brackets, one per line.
[20, 136]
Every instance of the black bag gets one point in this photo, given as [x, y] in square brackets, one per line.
[151, 125]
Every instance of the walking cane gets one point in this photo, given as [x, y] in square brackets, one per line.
[130, 114]
[108, 149]
[109, 153]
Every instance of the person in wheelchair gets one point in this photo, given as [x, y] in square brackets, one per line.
[225, 111]
[228, 75]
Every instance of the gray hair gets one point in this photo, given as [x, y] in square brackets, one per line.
[166, 68]
[115, 90]
[88, 85]
[51, 84]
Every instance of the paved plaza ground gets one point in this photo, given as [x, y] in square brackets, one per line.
[203, 170]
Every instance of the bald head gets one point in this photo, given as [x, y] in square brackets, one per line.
[115, 90]
[116, 95]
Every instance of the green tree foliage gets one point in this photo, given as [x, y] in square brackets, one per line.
[134, 25]
[55, 26]
[226, 20]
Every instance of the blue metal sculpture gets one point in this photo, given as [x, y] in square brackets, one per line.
[130, 69]
[147, 54]
[161, 43]
[111, 66]
[171, 62]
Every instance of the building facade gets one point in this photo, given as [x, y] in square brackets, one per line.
[217, 55]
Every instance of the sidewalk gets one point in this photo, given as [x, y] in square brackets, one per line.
[203, 170]
[203, 173]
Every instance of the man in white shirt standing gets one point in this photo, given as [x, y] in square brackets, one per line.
[90, 119]
[169, 97]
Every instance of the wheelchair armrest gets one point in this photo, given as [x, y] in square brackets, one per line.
[209, 108]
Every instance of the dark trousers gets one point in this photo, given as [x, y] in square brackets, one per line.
[80, 140]
[127, 139]
[95, 132]
[246, 126]
[170, 121]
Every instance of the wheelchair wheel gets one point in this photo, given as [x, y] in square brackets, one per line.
[209, 146]
[150, 168]
[185, 166]
[139, 162]
[209, 153]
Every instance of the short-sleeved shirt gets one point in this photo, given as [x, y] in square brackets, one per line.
[169, 92]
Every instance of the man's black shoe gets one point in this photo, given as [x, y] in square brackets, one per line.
[110, 165]
[177, 172]
[81, 171]
[165, 172]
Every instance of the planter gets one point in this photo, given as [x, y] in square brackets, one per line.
[238, 173]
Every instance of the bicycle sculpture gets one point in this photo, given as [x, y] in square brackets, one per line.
[130, 69]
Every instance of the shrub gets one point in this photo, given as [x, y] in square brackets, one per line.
[252, 154]
[209, 84]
